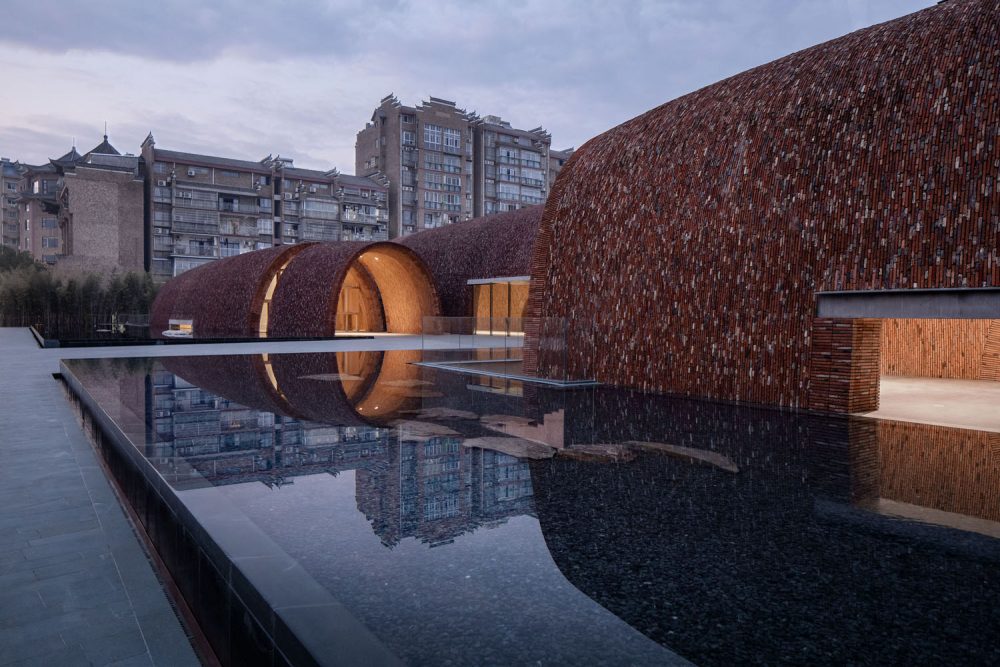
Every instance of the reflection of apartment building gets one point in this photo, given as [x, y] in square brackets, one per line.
[435, 490]
[202, 207]
[193, 430]
[444, 164]
[432, 489]
[84, 210]
[10, 178]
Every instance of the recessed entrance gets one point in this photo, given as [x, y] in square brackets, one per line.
[926, 356]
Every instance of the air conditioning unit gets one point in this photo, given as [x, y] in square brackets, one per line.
[161, 184]
[192, 172]
[288, 195]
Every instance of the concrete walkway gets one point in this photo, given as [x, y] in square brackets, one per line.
[76, 586]
[971, 404]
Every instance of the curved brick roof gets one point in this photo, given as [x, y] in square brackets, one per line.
[223, 297]
[692, 239]
[492, 246]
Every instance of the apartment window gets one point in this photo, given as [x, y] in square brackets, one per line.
[407, 216]
[50, 242]
[225, 173]
[161, 167]
[265, 226]
[432, 199]
[507, 191]
[409, 138]
[432, 136]
[36, 187]
[453, 164]
[264, 203]
[407, 118]
[49, 223]
[452, 138]
[453, 183]
[11, 186]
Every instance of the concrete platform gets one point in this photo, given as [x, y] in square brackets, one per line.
[971, 404]
[76, 586]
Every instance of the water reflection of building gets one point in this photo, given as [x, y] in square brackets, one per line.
[436, 490]
[199, 436]
[432, 488]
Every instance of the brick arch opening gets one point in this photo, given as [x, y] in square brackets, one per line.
[402, 285]
[352, 287]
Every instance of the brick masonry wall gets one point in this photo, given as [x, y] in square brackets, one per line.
[107, 221]
[936, 348]
[493, 246]
[693, 238]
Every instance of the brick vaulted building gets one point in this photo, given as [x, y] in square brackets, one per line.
[701, 243]
[779, 237]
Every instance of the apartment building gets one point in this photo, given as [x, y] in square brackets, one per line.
[445, 164]
[557, 159]
[83, 211]
[10, 179]
[510, 166]
[426, 153]
[202, 207]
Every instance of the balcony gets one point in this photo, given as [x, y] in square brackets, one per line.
[529, 199]
[320, 232]
[229, 250]
[203, 228]
[440, 166]
[533, 182]
[202, 217]
[195, 250]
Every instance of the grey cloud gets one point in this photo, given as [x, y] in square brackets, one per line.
[578, 67]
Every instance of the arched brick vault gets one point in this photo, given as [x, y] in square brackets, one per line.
[305, 301]
[223, 297]
[493, 246]
[688, 243]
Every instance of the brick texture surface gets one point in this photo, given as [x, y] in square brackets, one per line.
[936, 348]
[493, 246]
[693, 238]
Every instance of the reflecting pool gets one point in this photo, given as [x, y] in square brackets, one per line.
[347, 507]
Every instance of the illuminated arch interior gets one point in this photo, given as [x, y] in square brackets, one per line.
[385, 289]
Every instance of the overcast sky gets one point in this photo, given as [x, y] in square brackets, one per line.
[244, 78]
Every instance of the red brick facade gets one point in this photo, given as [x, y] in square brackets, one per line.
[692, 240]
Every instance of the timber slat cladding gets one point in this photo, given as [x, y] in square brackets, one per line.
[693, 238]
[939, 348]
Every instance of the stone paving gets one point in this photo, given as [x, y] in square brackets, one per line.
[76, 586]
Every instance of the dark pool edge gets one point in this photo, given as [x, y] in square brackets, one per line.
[238, 604]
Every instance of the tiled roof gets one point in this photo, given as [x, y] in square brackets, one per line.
[208, 160]
[103, 148]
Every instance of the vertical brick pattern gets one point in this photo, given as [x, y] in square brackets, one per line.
[935, 348]
[990, 369]
[950, 469]
[693, 238]
[844, 365]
